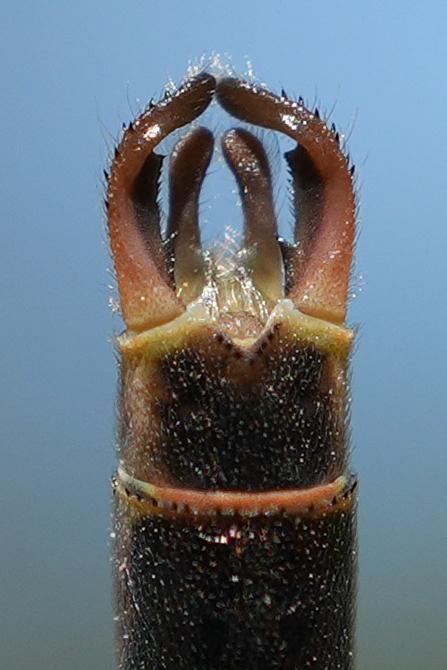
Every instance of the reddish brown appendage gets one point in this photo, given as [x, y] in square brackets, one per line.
[322, 260]
[147, 299]
[319, 265]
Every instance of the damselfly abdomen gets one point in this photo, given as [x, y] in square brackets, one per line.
[235, 506]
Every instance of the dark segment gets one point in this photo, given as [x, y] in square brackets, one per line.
[281, 431]
[232, 594]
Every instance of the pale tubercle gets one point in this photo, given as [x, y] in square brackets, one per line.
[198, 316]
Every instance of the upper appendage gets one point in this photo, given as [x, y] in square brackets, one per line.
[147, 295]
[158, 278]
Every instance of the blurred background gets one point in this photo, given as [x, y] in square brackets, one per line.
[71, 73]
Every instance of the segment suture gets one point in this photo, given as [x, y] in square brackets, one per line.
[311, 502]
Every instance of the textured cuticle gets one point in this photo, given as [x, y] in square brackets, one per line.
[234, 507]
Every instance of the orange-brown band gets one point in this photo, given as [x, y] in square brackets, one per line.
[150, 499]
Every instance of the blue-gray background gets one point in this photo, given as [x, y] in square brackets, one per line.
[71, 72]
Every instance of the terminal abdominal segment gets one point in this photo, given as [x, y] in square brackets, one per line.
[234, 503]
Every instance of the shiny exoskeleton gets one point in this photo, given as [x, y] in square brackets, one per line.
[234, 503]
